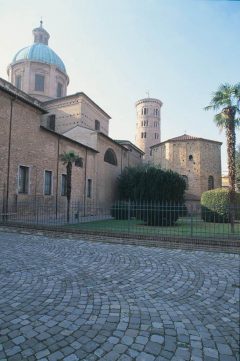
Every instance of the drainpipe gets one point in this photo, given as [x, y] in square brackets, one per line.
[9, 153]
[85, 184]
[57, 181]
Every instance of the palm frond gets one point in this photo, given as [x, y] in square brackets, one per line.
[220, 120]
[68, 157]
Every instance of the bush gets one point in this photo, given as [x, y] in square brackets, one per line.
[120, 210]
[151, 184]
[215, 205]
[160, 214]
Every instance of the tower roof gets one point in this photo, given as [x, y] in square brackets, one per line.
[39, 51]
[149, 100]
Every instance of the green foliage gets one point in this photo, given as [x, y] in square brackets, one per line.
[69, 157]
[226, 102]
[156, 196]
[121, 210]
[148, 183]
[215, 205]
[161, 214]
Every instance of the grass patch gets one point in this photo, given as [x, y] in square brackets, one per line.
[184, 227]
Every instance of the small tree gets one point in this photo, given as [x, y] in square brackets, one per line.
[226, 101]
[151, 184]
[154, 195]
[69, 158]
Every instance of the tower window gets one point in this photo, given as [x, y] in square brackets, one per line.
[39, 82]
[156, 112]
[18, 82]
[59, 90]
[144, 111]
[190, 157]
[210, 182]
[144, 135]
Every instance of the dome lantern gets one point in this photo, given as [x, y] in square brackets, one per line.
[41, 35]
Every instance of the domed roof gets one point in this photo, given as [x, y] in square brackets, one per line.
[41, 53]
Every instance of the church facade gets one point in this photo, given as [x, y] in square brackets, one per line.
[39, 122]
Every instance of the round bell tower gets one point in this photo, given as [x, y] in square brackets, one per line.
[148, 126]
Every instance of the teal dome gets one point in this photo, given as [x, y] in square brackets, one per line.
[39, 52]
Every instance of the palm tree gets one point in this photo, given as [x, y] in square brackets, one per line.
[69, 158]
[238, 167]
[226, 101]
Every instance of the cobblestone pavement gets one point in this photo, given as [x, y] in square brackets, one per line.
[63, 299]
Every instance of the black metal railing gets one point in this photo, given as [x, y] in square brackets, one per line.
[148, 219]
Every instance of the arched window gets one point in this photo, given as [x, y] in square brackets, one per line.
[144, 111]
[186, 181]
[110, 157]
[210, 182]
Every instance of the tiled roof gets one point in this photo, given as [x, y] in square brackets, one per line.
[183, 138]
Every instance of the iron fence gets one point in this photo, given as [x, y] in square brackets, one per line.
[129, 219]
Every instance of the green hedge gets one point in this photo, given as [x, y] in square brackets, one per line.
[215, 206]
[121, 210]
[151, 213]
[160, 214]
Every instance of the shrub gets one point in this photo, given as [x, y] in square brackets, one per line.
[215, 205]
[152, 186]
[159, 214]
[120, 210]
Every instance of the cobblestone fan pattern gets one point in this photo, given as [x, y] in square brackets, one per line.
[75, 300]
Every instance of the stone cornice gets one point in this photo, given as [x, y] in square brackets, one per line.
[19, 94]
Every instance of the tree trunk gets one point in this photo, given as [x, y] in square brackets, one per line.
[69, 188]
[231, 142]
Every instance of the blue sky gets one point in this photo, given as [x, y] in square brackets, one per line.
[115, 51]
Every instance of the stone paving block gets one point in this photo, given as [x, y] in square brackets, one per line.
[18, 340]
[120, 348]
[153, 348]
[56, 356]
[157, 338]
[143, 356]
[141, 339]
[113, 340]
[42, 353]
[224, 349]
[71, 357]
[13, 351]
[125, 358]
[127, 340]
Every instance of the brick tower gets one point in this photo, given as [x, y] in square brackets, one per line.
[148, 130]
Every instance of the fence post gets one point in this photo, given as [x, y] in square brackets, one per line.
[129, 215]
[191, 222]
